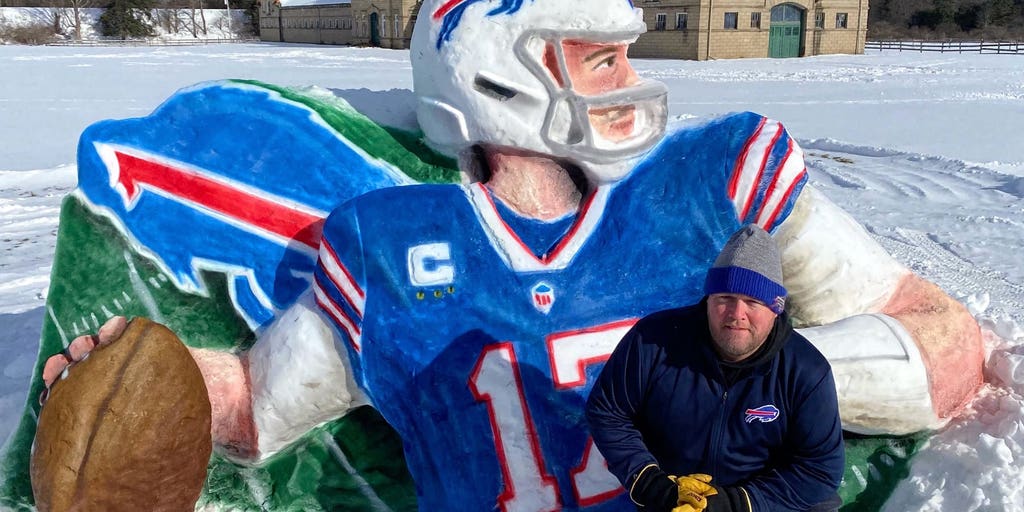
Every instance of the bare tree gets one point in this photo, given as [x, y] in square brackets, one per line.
[76, 10]
[202, 14]
[69, 13]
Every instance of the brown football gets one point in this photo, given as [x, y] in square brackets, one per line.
[128, 429]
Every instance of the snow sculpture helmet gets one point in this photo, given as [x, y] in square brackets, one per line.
[495, 72]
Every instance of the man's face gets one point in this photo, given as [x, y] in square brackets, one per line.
[597, 68]
[739, 324]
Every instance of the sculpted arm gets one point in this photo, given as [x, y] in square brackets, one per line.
[905, 355]
[295, 376]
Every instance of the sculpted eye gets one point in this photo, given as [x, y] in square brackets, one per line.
[607, 62]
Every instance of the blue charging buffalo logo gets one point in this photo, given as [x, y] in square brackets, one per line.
[764, 414]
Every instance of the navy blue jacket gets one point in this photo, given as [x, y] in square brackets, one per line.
[662, 398]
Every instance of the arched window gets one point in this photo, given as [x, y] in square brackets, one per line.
[786, 12]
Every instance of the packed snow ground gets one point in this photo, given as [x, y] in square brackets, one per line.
[924, 149]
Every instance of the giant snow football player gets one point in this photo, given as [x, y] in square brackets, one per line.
[474, 317]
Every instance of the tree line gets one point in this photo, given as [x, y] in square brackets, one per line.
[135, 18]
[946, 19]
[125, 18]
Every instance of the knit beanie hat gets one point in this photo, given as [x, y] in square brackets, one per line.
[749, 264]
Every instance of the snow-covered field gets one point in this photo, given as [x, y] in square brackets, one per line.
[926, 150]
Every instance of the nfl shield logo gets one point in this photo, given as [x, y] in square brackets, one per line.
[543, 297]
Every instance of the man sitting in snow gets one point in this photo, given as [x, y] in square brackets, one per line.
[726, 387]
[471, 316]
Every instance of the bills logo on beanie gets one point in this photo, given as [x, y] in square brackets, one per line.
[749, 264]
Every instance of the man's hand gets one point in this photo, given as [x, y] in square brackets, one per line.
[658, 491]
[654, 490]
[78, 350]
[730, 499]
[693, 491]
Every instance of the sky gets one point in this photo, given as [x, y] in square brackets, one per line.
[925, 150]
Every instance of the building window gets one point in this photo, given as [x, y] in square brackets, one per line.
[384, 26]
[841, 19]
[819, 20]
[397, 26]
[755, 20]
[680, 21]
[731, 20]
[660, 20]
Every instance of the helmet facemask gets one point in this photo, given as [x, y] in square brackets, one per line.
[601, 123]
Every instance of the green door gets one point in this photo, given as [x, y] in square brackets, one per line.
[374, 29]
[785, 36]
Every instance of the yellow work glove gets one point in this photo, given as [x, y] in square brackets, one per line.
[693, 492]
[686, 507]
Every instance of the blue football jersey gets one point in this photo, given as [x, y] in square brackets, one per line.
[480, 351]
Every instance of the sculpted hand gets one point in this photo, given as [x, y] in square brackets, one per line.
[78, 350]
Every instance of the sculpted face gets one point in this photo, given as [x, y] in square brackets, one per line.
[739, 324]
[594, 69]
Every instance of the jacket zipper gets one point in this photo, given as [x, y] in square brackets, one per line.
[716, 433]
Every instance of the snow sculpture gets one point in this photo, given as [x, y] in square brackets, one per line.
[472, 316]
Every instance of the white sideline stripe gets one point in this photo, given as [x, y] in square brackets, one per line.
[258, 490]
[339, 276]
[364, 486]
[753, 159]
[142, 291]
[60, 330]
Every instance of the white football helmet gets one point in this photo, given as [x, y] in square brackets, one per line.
[480, 75]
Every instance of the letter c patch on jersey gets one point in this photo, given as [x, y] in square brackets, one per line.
[431, 264]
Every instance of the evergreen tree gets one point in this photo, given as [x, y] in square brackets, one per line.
[1002, 12]
[128, 18]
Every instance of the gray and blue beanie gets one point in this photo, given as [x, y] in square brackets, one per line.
[749, 264]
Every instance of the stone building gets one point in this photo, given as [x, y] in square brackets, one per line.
[384, 23]
[676, 29]
[730, 29]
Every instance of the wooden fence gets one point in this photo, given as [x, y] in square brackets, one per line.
[948, 46]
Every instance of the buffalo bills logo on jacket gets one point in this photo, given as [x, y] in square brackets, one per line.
[764, 414]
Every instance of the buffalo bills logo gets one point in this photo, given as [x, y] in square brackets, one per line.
[450, 14]
[543, 297]
[764, 414]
